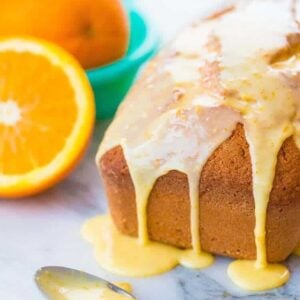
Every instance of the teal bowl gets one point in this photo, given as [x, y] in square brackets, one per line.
[111, 83]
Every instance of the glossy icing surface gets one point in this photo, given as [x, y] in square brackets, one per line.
[239, 67]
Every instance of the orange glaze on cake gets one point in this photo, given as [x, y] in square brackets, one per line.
[240, 67]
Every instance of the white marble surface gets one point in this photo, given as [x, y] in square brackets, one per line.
[44, 230]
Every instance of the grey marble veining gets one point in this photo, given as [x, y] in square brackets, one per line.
[197, 285]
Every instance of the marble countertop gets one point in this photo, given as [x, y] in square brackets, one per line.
[45, 230]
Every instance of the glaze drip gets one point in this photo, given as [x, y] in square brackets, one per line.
[166, 146]
[241, 66]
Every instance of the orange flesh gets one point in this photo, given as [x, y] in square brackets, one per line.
[48, 111]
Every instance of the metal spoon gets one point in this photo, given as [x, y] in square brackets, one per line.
[47, 278]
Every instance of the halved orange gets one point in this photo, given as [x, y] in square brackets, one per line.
[46, 115]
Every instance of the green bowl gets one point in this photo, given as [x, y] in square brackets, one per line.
[112, 82]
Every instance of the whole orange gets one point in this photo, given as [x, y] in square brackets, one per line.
[95, 31]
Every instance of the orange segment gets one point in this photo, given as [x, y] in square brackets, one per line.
[46, 115]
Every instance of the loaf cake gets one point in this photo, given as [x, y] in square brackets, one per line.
[204, 152]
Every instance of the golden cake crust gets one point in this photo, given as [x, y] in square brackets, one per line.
[226, 202]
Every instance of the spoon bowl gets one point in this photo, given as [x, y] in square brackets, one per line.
[55, 282]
